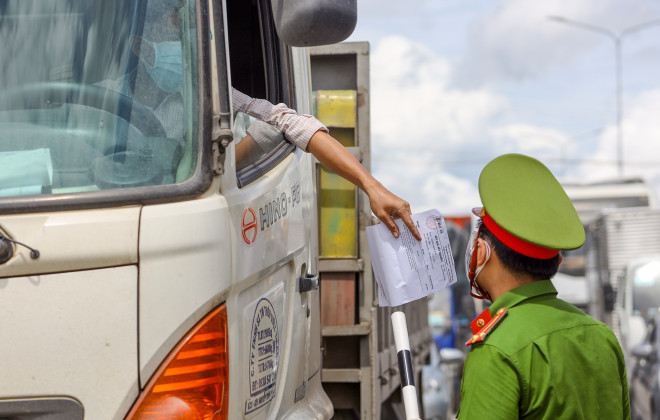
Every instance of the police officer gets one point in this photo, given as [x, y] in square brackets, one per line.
[533, 356]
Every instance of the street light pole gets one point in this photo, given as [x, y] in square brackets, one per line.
[619, 69]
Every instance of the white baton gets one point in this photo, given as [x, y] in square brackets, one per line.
[405, 365]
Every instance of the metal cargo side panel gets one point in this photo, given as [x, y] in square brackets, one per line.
[337, 109]
[359, 356]
[338, 298]
[338, 221]
[631, 234]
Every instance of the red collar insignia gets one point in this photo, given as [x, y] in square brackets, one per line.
[484, 324]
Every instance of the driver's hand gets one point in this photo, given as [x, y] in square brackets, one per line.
[387, 207]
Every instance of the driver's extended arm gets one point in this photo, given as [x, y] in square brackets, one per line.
[297, 128]
[310, 135]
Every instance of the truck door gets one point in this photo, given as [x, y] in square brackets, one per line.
[274, 367]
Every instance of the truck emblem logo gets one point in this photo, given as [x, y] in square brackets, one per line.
[249, 226]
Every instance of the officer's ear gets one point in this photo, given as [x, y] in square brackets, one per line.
[482, 254]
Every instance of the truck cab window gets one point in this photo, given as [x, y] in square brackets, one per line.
[105, 98]
[259, 69]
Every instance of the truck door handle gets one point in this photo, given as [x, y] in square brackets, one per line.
[308, 282]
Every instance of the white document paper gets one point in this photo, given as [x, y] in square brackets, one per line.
[407, 269]
[24, 172]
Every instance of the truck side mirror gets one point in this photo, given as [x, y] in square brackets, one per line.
[305, 23]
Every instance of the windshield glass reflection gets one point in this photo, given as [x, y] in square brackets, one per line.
[96, 95]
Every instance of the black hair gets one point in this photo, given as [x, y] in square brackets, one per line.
[519, 264]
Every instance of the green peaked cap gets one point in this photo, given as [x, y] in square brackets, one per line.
[523, 197]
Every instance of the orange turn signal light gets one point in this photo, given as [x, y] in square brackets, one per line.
[193, 382]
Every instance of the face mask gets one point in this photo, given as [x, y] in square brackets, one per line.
[471, 265]
[167, 71]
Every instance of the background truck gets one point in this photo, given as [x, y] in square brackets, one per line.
[590, 199]
[619, 238]
[147, 268]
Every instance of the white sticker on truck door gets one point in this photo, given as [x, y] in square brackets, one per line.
[264, 355]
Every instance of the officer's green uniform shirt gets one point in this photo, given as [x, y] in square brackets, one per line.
[546, 359]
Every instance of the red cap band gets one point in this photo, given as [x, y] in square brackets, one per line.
[519, 245]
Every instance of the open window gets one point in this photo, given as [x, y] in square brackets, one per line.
[260, 68]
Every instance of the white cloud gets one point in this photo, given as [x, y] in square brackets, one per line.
[412, 104]
[529, 139]
[533, 86]
[641, 134]
[426, 188]
[450, 194]
[641, 144]
[419, 124]
[517, 40]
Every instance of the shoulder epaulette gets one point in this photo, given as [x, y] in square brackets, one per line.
[484, 324]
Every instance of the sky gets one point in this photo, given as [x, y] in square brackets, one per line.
[455, 83]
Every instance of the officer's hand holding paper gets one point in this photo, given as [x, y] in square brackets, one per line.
[407, 269]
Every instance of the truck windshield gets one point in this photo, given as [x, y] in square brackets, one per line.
[96, 95]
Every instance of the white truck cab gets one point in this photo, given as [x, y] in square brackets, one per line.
[144, 272]
[638, 299]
